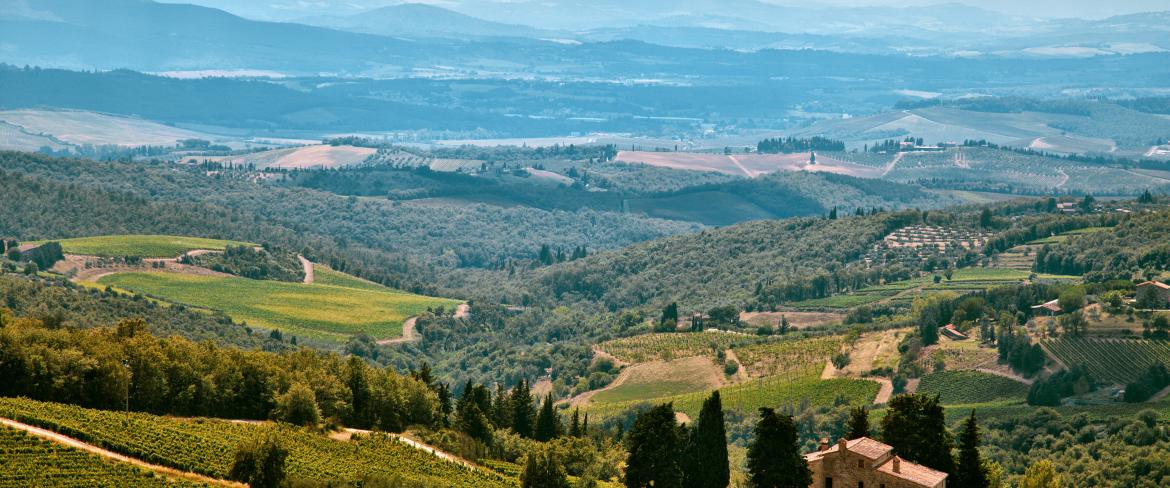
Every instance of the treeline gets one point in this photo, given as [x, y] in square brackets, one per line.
[266, 263]
[124, 366]
[793, 144]
[61, 304]
[44, 255]
[1135, 245]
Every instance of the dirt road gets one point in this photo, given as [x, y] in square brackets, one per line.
[308, 265]
[885, 390]
[71, 442]
[407, 334]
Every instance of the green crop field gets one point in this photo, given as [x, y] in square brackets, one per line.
[1114, 360]
[323, 275]
[143, 246]
[318, 311]
[31, 461]
[207, 446]
[960, 387]
[746, 398]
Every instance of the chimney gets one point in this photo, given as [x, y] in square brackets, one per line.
[897, 464]
[824, 444]
[843, 444]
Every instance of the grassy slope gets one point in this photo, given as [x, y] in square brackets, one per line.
[145, 246]
[319, 311]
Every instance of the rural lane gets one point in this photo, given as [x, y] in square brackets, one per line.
[407, 334]
[308, 265]
[74, 443]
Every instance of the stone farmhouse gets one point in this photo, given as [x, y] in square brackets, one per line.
[866, 463]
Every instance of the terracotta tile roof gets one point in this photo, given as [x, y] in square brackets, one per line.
[864, 446]
[1157, 284]
[914, 473]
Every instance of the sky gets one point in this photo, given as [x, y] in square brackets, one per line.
[292, 9]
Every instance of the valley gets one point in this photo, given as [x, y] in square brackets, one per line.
[734, 244]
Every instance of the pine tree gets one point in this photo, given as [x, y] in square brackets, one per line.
[858, 423]
[970, 472]
[654, 448]
[548, 423]
[915, 427]
[523, 415]
[705, 462]
[774, 459]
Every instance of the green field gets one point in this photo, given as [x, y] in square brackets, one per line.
[318, 311]
[323, 275]
[207, 447]
[31, 461]
[648, 391]
[747, 398]
[1114, 360]
[962, 387]
[143, 246]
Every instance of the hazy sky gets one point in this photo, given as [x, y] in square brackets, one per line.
[285, 9]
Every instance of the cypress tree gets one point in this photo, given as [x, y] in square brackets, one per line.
[654, 447]
[774, 459]
[523, 415]
[706, 458]
[575, 424]
[858, 423]
[915, 427]
[548, 423]
[502, 408]
[970, 472]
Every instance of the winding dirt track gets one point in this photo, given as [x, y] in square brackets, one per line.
[885, 391]
[308, 265]
[74, 443]
[407, 334]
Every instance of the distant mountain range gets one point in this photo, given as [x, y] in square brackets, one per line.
[421, 20]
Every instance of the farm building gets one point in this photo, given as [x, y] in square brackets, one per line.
[1153, 294]
[1048, 308]
[952, 333]
[865, 462]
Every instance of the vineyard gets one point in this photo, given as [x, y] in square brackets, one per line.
[671, 345]
[791, 359]
[30, 461]
[961, 387]
[208, 446]
[1112, 360]
[747, 398]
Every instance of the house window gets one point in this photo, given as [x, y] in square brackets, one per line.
[860, 464]
[828, 482]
